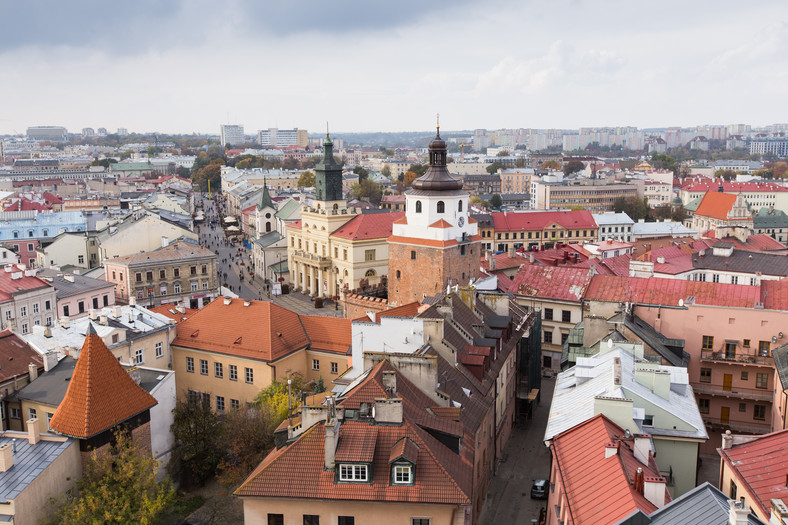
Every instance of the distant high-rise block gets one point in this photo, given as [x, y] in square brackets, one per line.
[282, 137]
[232, 134]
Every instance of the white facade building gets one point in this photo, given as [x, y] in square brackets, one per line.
[232, 134]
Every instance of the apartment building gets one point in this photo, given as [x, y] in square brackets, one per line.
[614, 226]
[283, 137]
[516, 180]
[593, 195]
[542, 229]
[25, 299]
[232, 134]
[76, 294]
[181, 272]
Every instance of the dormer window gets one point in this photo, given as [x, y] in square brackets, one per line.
[402, 474]
[353, 473]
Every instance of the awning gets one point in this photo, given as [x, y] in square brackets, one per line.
[232, 229]
[230, 219]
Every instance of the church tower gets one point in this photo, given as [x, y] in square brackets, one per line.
[436, 244]
[328, 180]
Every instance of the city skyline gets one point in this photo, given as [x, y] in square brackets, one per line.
[567, 64]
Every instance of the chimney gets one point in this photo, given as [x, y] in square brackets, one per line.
[511, 250]
[390, 381]
[164, 241]
[642, 448]
[117, 311]
[6, 457]
[50, 361]
[611, 449]
[662, 383]
[93, 314]
[103, 320]
[738, 513]
[332, 439]
[69, 277]
[388, 411]
[247, 303]
[227, 300]
[135, 375]
[779, 512]
[32, 371]
[531, 257]
[132, 301]
[727, 440]
[33, 433]
[654, 490]
[65, 322]
[492, 262]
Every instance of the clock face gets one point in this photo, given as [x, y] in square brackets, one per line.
[461, 221]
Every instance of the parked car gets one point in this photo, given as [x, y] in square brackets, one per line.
[539, 489]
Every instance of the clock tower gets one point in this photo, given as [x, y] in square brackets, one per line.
[436, 244]
[328, 179]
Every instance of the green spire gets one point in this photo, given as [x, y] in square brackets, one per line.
[265, 199]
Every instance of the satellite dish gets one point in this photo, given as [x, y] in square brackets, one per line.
[774, 339]
[681, 303]
[610, 343]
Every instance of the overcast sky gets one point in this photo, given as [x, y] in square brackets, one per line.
[187, 66]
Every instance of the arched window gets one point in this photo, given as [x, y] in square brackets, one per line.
[398, 274]
[441, 207]
[267, 227]
[336, 206]
[459, 206]
[370, 273]
[418, 206]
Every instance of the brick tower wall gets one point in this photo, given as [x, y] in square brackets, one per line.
[430, 271]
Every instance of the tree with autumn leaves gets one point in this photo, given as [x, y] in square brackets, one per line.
[117, 487]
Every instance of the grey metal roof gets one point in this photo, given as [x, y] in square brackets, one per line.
[659, 343]
[703, 505]
[66, 288]
[50, 387]
[780, 356]
[612, 218]
[576, 388]
[268, 239]
[664, 228]
[769, 218]
[743, 261]
[29, 462]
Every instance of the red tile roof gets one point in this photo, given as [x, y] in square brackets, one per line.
[538, 220]
[328, 333]
[170, 311]
[406, 310]
[759, 242]
[11, 286]
[100, 395]
[368, 226]
[440, 476]
[717, 205]
[762, 465]
[405, 448]
[502, 261]
[440, 224]
[668, 291]
[15, 356]
[261, 330]
[580, 455]
[554, 282]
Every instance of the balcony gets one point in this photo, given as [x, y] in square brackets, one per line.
[311, 259]
[751, 426]
[737, 358]
[759, 394]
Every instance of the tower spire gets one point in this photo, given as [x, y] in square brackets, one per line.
[438, 125]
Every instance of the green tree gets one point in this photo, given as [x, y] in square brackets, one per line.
[551, 165]
[126, 154]
[519, 163]
[494, 167]
[103, 162]
[573, 166]
[307, 179]
[151, 151]
[275, 395]
[361, 172]
[635, 208]
[662, 161]
[503, 153]
[725, 174]
[118, 487]
[496, 201]
[248, 436]
[419, 169]
[409, 177]
[367, 190]
[386, 171]
[197, 449]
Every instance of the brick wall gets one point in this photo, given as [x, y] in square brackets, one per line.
[357, 305]
[140, 436]
[430, 271]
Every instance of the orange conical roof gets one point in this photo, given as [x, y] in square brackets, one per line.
[101, 393]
